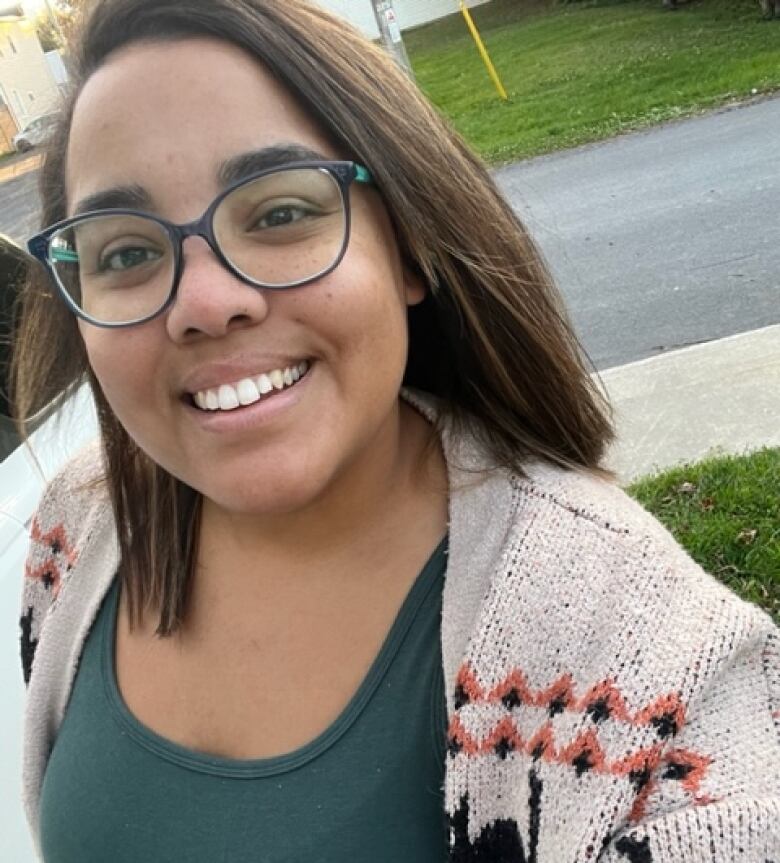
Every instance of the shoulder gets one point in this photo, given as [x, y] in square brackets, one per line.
[598, 634]
[73, 507]
[592, 588]
[585, 501]
[71, 502]
[580, 639]
[586, 532]
[573, 574]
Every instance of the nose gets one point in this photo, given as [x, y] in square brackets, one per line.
[210, 300]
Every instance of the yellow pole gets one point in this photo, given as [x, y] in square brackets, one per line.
[483, 51]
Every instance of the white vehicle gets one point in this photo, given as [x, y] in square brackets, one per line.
[34, 133]
[24, 470]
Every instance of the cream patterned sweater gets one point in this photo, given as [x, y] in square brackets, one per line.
[607, 700]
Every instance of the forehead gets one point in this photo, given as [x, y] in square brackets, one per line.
[166, 115]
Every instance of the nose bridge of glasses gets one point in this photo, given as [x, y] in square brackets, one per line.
[201, 227]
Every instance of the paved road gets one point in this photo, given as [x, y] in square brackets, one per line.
[660, 239]
[19, 205]
[663, 238]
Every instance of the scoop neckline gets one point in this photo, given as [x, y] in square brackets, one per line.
[202, 762]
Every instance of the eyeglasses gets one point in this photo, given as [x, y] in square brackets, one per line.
[276, 229]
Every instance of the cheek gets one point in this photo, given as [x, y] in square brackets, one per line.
[124, 363]
[366, 298]
[364, 320]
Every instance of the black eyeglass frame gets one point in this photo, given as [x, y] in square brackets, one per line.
[343, 172]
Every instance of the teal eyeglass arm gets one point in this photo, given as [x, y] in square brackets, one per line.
[66, 255]
[363, 175]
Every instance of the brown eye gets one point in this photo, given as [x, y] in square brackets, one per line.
[127, 258]
[285, 214]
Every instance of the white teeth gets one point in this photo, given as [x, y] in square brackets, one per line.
[228, 398]
[247, 391]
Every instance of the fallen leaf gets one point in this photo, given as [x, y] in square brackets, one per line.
[747, 535]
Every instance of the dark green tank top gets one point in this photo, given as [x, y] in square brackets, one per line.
[369, 788]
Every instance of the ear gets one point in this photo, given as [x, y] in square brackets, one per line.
[415, 287]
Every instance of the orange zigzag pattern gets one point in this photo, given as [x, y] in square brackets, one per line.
[586, 754]
[604, 700]
[56, 543]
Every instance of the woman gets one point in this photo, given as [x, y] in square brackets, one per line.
[238, 635]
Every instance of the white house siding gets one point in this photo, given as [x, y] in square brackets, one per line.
[26, 84]
[410, 13]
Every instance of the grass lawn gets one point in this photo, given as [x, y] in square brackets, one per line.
[726, 512]
[582, 71]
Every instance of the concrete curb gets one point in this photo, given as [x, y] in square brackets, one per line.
[721, 396]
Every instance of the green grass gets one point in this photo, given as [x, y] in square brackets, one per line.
[726, 513]
[584, 71]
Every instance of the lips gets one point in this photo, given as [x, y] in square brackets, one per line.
[248, 390]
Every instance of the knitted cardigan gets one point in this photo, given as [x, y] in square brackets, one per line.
[607, 700]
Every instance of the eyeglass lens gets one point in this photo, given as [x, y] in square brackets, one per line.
[278, 230]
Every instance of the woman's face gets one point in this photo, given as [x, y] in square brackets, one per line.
[165, 118]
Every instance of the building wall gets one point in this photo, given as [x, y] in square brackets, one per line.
[8, 129]
[410, 13]
[26, 84]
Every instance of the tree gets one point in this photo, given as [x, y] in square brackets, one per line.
[770, 8]
[58, 24]
[47, 33]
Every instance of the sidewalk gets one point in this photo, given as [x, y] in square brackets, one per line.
[678, 407]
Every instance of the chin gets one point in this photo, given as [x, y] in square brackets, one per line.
[259, 494]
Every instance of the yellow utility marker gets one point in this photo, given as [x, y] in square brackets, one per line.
[483, 51]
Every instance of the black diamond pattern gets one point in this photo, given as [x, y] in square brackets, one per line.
[665, 725]
[461, 697]
[599, 710]
[677, 771]
[511, 699]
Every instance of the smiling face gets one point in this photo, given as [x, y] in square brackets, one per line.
[172, 121]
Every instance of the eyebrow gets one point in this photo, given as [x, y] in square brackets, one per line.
[135, 197]
[119, 197]
[246, 164]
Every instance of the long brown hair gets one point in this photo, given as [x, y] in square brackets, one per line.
[491, 339]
